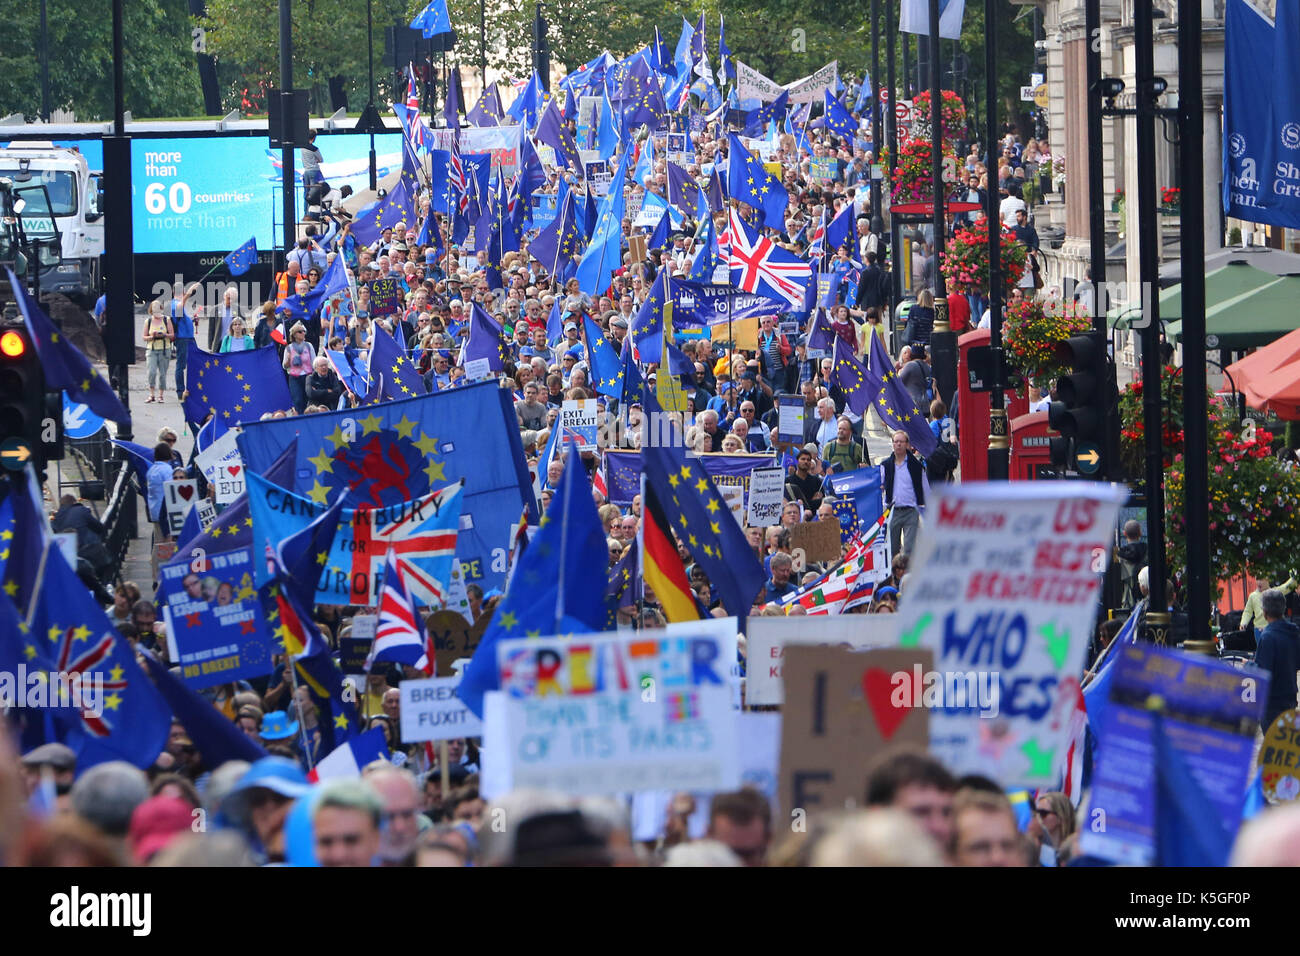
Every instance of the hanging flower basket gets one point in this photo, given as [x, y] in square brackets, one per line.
[913, 176]
[952, 114]
[1032, 331]
[966, 261]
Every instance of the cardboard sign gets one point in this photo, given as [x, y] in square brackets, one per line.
[609, 714]
[638, 247]
[743, 333]
[790, 419]
[578, 419]
[767, 638]
[1164, 708]
[453, 638]
[385, 297]
[1279, 758]
[669, 391]
[766, 494]
[818, 540]
[432, 711]
[843, 709]
[1009, 588]
[179, 496]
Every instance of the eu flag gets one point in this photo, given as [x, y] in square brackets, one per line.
[552, 132]
[398, 206]
[895, 403]
[242, 258]
[641, 99]
[682, 189]
[662, 230]
[621, 587]
[528, 104]
[488, 111]
[132, 720]
[663, 61]
[213, 734]
[838, 119]
[301, 556]
[557, 245]
[605, 252]
[698, 515]
[706, 259]
[752, 184]
[858, 383]
[633, 383]
[237, 386]
[333, 282]
[840, 229]
[65, 367]
[607, 131]
[550, 592]
[726, 66]
[606, 370]
[647, 330]
[24, 531]
[397, 451]
[487, 339]
[433, 20]
[388, 360]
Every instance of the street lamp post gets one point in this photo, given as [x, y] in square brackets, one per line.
[875, 114]
[943, 342]
[891, 124]
[999, 432]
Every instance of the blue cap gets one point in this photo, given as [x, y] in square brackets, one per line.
[278, 774]
[576, 351]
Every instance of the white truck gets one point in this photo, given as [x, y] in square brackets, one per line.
[73, 213]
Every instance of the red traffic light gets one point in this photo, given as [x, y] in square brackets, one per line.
[12, 345]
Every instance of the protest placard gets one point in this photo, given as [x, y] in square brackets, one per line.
[817, 541]
[1009, 588]
[578, 418]
[385, 297]
[1171, 723]
[453, 638]
[215, 623]
[228, 481]
[842, 709]
[207, 513]
[679, 149]
[766, 492]
[432, 711]
[1279, 758]
[766, 639]
[823, 169]
[637, 247]
[210, 458]
[179, 496]
[608, 714]
[353, 652]
[598, 175]
[476, 370]
[790, 418]
[742, 333]
[669, 391]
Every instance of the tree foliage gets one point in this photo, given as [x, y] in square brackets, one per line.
[160, 72]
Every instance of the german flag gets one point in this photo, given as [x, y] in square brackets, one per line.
[661, 566]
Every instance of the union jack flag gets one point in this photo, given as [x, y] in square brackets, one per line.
[412, 90]
[422, 540]
[68, 662]
[816, 245]
[456, 177]
[760, 266]
[399, 635]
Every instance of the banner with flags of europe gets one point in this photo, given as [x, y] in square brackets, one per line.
[397, 451]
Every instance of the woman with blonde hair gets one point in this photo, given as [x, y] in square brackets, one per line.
[158, 336]
[299, 357]
[238, 340]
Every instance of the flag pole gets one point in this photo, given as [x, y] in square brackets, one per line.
[302, 726]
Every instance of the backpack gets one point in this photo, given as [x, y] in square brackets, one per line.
[942, 461]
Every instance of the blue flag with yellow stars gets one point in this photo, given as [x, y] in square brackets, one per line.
[551, 591]
[605, 252]
[487, 339]
[132, 720]
[895, 403]
[293, 308]
[488, 111]
[237, 386]
[698, 515]
[647, 329]
[528, 104]
[608, 133]
[662, 59]
[754, 185]
[837, 118]
[65, 367]
[400, 377]
[858, 383]
[706, 258]
[397, 451]
[633, 383]
[606, 370]
[398, 206]
[640, 98]
[242, 259]
[552, 132]
[557, 245]
[622, 587]
[340, 720]
[659, 236]
[24, 530]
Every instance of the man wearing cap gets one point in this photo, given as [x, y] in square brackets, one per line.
[59, 759]
[618, 332]
[277, 728]
[260, 803]
[569, 342]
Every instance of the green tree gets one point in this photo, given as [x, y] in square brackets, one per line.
[159, 72]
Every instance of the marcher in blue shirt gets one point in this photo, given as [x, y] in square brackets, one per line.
[779, 585]
[160, 472]
[183, 323]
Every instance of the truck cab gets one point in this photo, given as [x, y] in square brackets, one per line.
[69, 209]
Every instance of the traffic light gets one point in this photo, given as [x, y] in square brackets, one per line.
[1085, 409]
[22, 399]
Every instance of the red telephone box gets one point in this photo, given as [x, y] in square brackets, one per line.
[1031, 445]
[973, 411]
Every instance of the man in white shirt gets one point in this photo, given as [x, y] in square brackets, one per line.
[907, 487]
[1009, 206]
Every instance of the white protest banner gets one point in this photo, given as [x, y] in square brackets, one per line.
[215, 453]
[179, 496]
[501, 141]
[766, 639]
[750, 84]
[578, 418]
[810, 88]
[790, 415]
[608, 714]
[432, 711]
[1006, 597]
[753, 85]
[478, 369]
[766, 491]
[649, 215]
